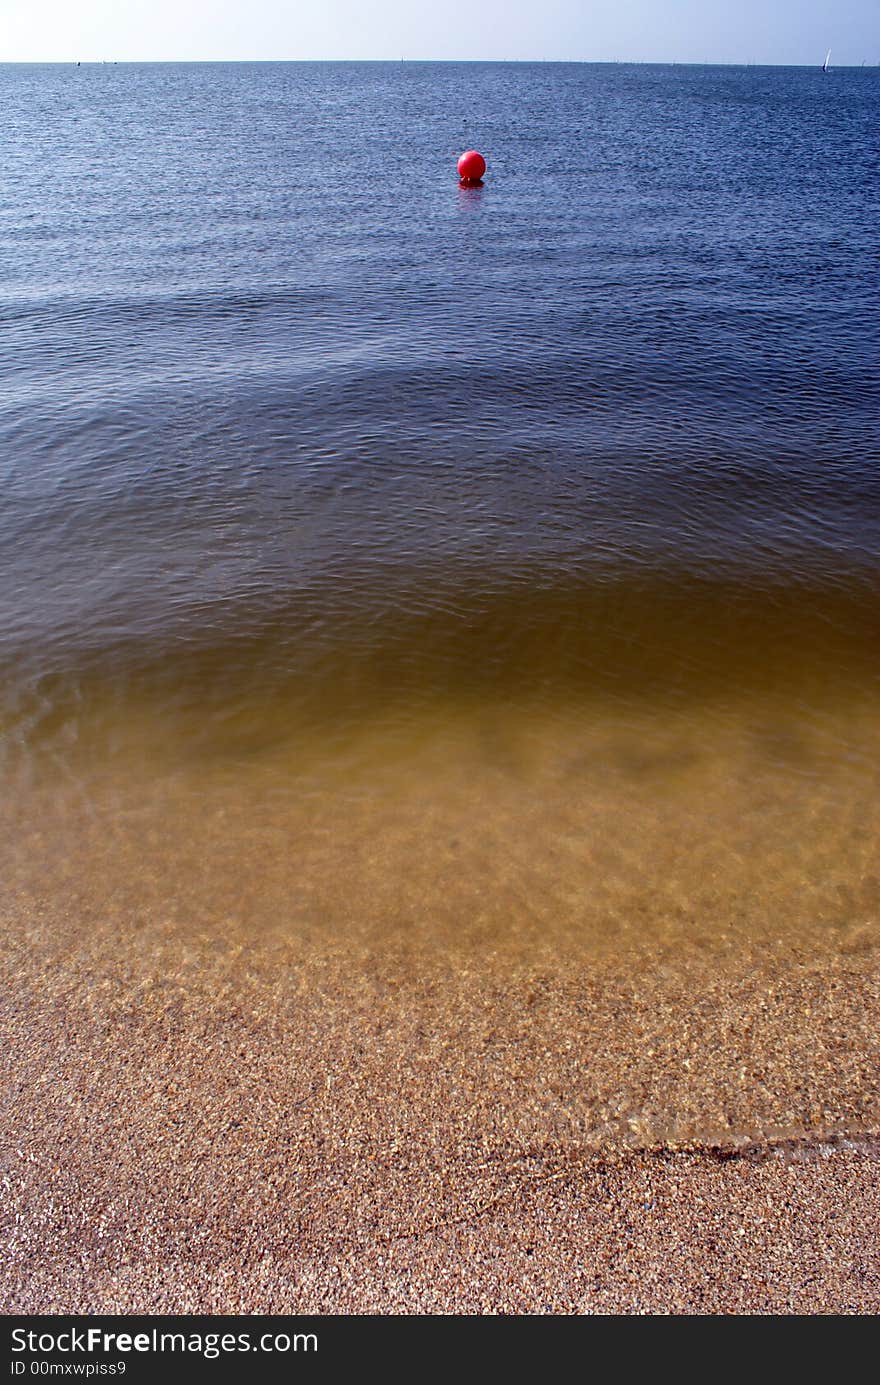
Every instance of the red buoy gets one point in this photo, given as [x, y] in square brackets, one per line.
[471, 167]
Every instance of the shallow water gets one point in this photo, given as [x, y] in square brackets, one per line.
[483, 568]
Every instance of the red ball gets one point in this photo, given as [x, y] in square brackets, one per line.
[471, 166]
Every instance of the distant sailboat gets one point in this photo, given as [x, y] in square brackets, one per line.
[825, 63]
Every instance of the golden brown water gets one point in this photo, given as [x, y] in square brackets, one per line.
[518, 826]
[379, 839]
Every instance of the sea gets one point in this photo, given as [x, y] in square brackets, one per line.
[392, 562]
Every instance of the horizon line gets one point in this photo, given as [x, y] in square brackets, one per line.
[512, 62]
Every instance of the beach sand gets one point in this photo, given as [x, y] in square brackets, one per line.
[563, 1026]
[212, 1128]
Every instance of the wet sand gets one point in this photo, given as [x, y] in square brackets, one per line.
[228, 1129]
[574, 1017]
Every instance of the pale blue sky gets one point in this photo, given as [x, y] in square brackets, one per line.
[761, 31]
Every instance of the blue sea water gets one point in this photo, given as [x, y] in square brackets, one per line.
[264, 363]
[565, 485]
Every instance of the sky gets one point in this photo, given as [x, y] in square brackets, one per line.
[732, 31]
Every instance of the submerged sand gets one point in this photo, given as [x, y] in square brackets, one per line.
[584, 1020]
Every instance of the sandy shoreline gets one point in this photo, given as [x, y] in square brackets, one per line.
[203, 1126]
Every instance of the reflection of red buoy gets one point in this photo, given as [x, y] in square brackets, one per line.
[471, 166]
